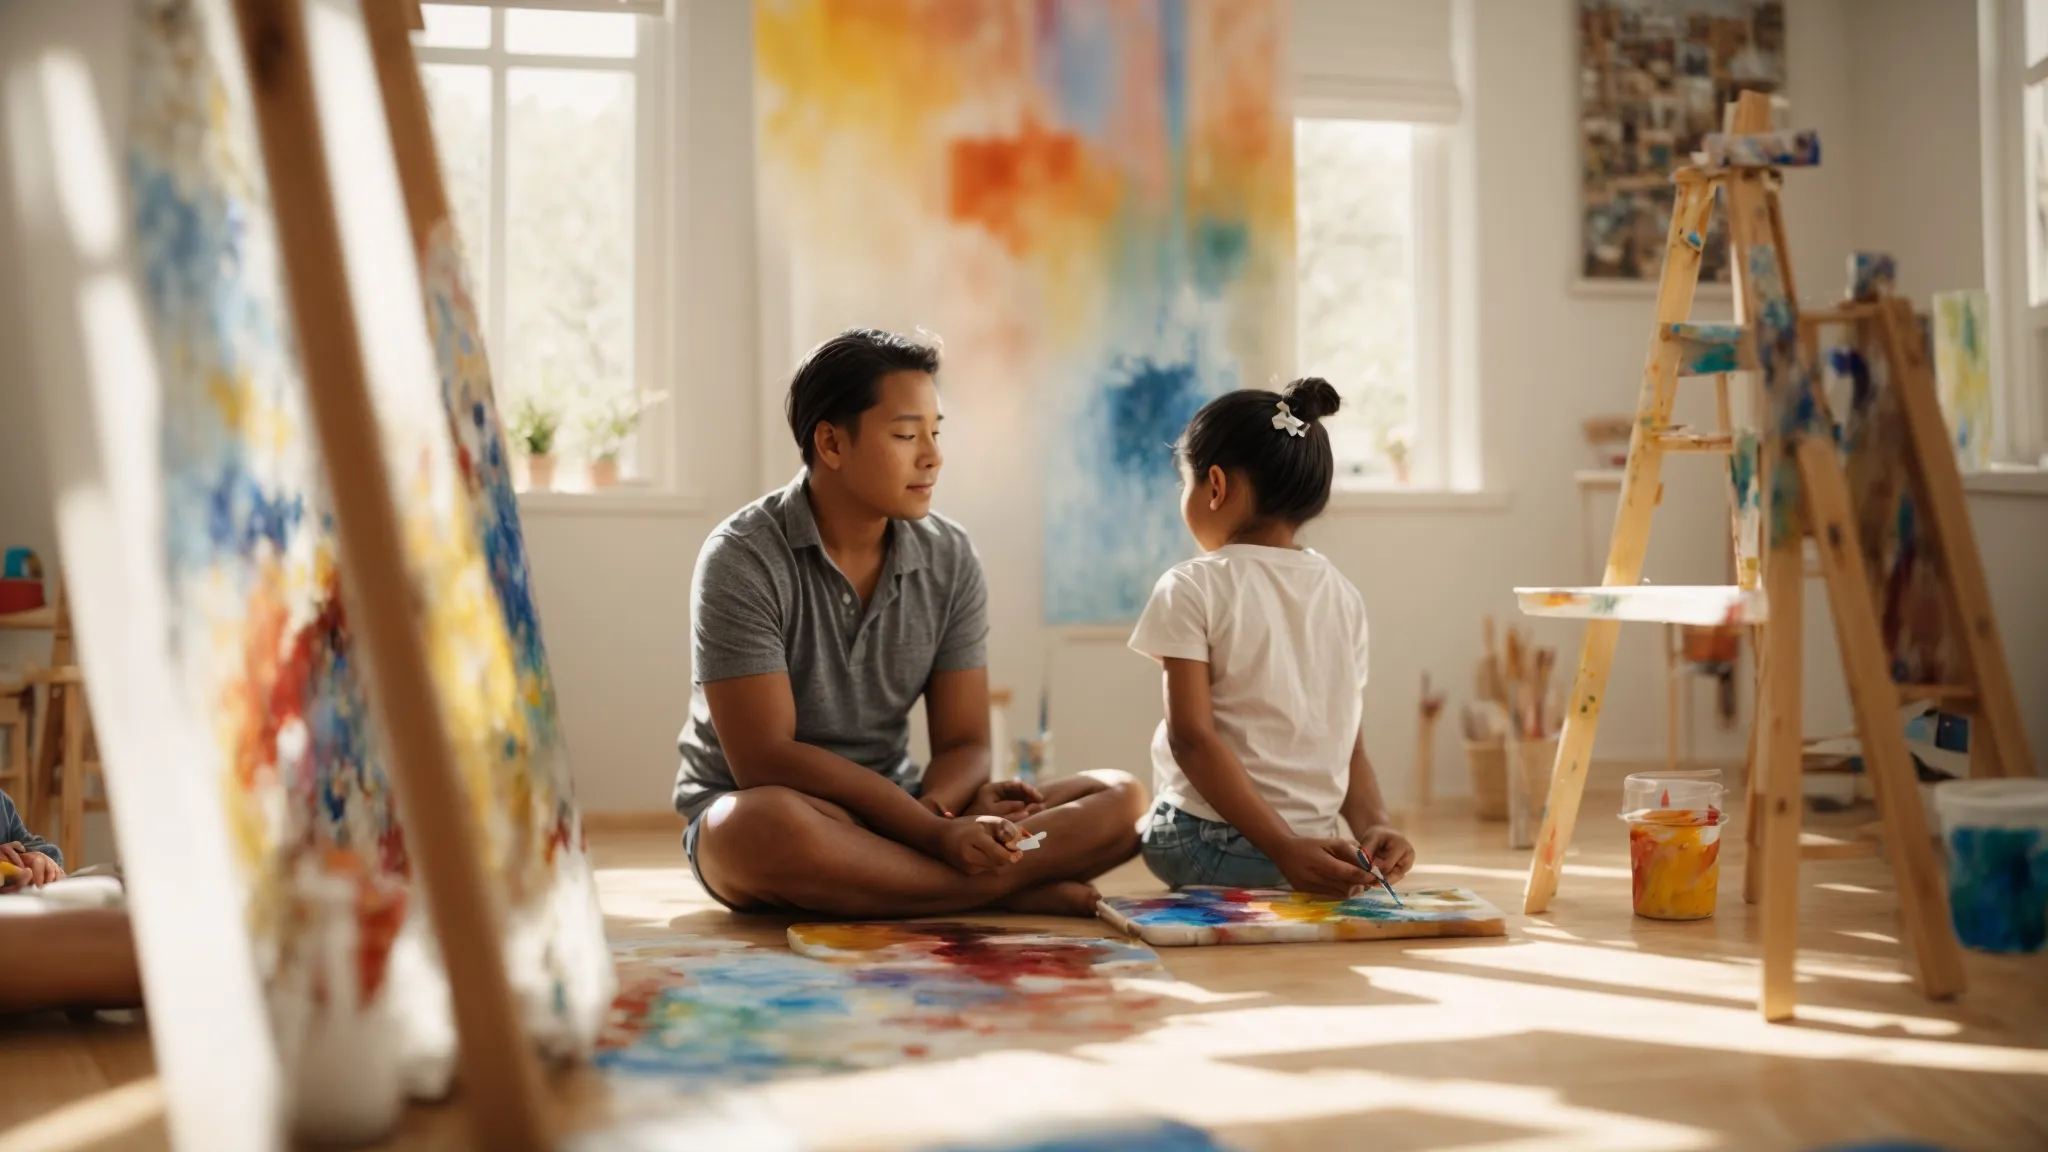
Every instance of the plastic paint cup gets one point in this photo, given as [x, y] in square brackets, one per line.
[1997, 837]
[1674, 842]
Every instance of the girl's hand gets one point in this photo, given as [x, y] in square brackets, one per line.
[980, 844]
[1388, 849]
[1323, 867]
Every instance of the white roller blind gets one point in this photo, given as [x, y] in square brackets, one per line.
[630, 7]
[1386, 59]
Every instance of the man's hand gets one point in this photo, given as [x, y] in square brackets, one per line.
[980, 844]
[1009, 799]
[1388, 849]
[36, 869]
[1323, 867]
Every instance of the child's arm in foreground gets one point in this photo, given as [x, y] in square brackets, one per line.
[1325, 867]
[1366, 812]
[31, 859]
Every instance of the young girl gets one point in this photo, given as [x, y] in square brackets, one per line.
[1261, 761]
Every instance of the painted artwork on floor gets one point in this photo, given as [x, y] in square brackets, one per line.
[1654, 76]
[1200, 916]
[258, 624]
[1962, 373]
[697, 1013]
[1091, 203]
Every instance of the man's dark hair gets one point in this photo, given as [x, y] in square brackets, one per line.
[842, 377]
[1290, 474]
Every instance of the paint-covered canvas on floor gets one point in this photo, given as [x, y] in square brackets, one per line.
[1197, 916]
[696, 1013]
[1092, 203]
[256, 616]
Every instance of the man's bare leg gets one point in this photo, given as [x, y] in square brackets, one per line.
[778, 848]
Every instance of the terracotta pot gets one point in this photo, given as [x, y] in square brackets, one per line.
[540, 473]
[604, 472]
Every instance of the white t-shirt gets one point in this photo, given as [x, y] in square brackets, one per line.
[1284, 636]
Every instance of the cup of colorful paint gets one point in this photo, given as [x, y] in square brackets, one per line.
[1996, 832]
[1674, 842]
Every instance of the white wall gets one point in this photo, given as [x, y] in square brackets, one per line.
[1883, 80]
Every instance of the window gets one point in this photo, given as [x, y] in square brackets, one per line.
[1368, 283]
[549, 127]
[2013, 55]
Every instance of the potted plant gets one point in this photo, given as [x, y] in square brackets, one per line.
[607, 429]
[534, 424]
[1397, 444]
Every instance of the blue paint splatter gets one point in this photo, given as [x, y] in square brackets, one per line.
[1998, 888]
[1151, 407]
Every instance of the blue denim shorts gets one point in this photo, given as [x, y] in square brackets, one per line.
[1182, 850]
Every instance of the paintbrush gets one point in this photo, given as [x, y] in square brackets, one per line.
[1365, 862]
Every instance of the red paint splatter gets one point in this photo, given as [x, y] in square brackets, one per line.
[1000, 959]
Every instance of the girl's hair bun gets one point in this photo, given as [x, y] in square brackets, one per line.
[1311, 398]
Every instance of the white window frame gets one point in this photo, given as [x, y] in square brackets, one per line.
[655, 467]
[2020, 380]
[1430, 173]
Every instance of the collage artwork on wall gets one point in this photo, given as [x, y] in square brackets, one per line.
[1654, 76]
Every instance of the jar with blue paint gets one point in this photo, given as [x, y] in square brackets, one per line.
[1996, 832]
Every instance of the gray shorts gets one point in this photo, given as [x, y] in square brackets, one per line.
[690, 833]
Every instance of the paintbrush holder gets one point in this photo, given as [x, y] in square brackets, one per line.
[1489, 762]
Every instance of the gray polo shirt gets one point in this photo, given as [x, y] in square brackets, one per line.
[766, 598]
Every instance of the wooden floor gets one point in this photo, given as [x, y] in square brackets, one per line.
[1585, 1029]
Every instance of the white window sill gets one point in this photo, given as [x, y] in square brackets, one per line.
[611, 502]
[2008, 482]
[1391, 499]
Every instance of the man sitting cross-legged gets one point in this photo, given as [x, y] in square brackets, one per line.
[819, 614]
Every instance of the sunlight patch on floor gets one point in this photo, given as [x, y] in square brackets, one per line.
[90, 1121]
[1108, 1084]
[1518, 1006]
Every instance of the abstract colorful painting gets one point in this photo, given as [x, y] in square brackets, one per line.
[1654, 77]
[1898, 554]
[256, 616]
[695, 1013]
[1962, 373]
[258, 622]
[1091, 202]
[999, 955]
[1196, 916]
[560, 964]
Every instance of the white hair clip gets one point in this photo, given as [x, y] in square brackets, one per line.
[1288, 422]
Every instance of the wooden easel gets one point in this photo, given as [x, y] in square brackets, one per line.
[64, 754]
[1799, 486]
[501, 1074]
